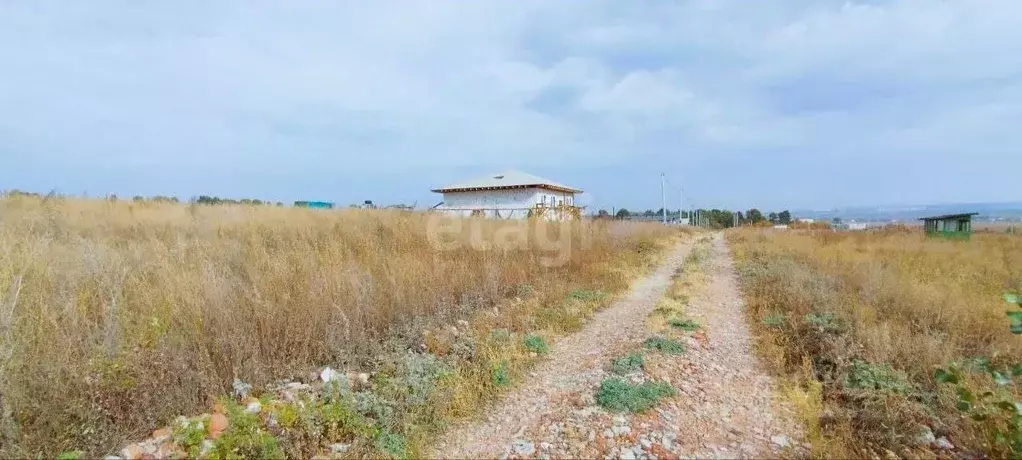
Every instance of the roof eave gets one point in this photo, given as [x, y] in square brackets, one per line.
[951, 216]
[506, 187]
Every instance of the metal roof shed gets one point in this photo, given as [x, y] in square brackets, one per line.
[952, 226]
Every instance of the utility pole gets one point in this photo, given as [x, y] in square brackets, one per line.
[681, 203]
[663, 193]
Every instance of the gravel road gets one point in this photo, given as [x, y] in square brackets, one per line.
[725, 407]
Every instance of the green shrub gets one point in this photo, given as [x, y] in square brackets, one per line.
[1015, 316]
[245, 437]
[776, 320]
[684, 324]
[631, 363]
[825, 322]
[617, 395]
[586, 295]
[340, 417]
[998, 412]
[189, 434]
[664, 345]
[373, 405]
[878, 377]
[418, 375]
[536, 344]
[391, 444]
[499, 375]
[500, 336]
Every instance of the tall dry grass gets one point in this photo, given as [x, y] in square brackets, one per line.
[115, 317]
[861, 320]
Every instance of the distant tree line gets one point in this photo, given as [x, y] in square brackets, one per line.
[200, 200]
[18, 193]
[714, 218]
[215, 200]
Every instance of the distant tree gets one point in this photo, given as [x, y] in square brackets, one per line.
[603, 214]
[772, 217]
[754, 216]
[623, 214]
[112, 197]
[836, 220]
[784, 217]
[740, 217]
[280, 204]
[138, 198]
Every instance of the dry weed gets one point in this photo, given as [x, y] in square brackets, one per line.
[873, 315]
[119, 316]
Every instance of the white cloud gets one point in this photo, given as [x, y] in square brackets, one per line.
[427, 87]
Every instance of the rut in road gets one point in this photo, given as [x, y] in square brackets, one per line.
[724, 407]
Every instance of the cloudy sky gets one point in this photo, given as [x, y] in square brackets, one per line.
[795, 103]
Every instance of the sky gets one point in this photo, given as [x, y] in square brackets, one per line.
[801, 104]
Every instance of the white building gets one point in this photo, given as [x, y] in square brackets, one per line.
[509, 195]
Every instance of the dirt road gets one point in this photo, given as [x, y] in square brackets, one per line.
[724, 407]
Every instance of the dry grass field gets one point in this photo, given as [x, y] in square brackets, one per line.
[116, 317]
[860, 323]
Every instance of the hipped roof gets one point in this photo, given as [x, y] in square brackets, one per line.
[506, 180]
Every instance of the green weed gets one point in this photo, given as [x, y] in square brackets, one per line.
[617, 395]
[499, 375]
[878, 377]
[664, 345]
[536, 344]
[392, 444]
[824, 322]
[775, 321]
[684, 324]
[586, 295]
[628, 364]
[245, 437]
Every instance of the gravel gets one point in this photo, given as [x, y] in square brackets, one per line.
[724, 409]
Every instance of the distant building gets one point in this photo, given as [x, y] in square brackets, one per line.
[314, 204]
[953, 226]
[510, 195]
[855, 226]
[805, 221]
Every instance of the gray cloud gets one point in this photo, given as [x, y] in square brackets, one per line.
[804, 103]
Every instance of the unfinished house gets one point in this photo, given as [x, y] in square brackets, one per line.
[510, 195]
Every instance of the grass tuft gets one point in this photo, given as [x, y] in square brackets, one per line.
[536, 344]
[632, 363]
[664, 345]
[684, 324]
[618, 395]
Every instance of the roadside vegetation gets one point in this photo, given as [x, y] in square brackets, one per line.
[891, 343]
[670, 317]
[628, 389]
[118, 317]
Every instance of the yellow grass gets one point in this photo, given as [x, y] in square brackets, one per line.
[116, 317]
[687, 283]
[896, 299]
